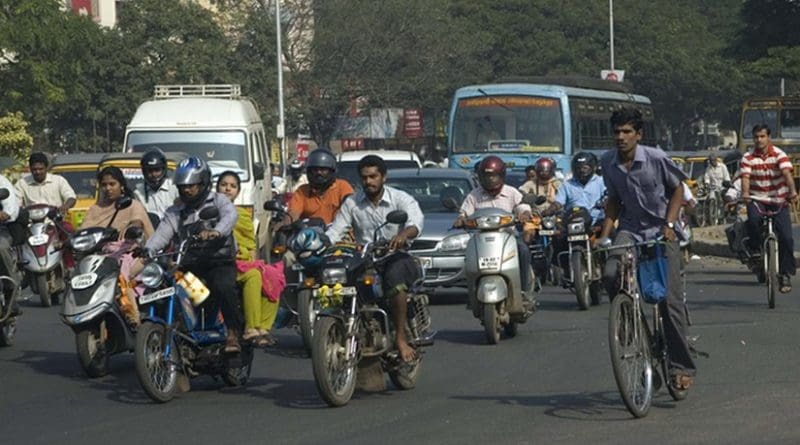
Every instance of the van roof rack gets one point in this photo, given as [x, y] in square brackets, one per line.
[225, 91]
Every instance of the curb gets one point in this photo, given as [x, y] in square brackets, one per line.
[720, 249]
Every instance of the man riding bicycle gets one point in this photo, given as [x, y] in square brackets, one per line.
[645, 194]
[768, 185]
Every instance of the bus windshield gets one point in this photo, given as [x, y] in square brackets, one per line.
[223, 150]
[755, 116]
[508, 123]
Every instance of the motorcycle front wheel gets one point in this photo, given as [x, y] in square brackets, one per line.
[92, 354]
[306, 314]
[334, 376]
[157, 374]
[581, 279]
[43, 290]
[491, 323]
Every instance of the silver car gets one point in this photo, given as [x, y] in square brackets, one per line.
[440, 248]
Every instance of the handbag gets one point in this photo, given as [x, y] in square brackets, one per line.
[652, 276]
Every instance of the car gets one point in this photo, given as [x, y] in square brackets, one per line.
[80, 171]
[347, 162]
[439, 248]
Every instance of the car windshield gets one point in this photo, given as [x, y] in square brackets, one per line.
[349, 170]
[430, 192]
[508, 123]
[223, 150]
[83, 182]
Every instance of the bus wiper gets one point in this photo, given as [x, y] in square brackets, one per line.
[480, 90]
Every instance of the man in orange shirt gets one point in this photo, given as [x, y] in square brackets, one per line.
[324, 193]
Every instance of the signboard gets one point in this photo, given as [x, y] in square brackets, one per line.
[353, 144]
[302, 148]
[412, 123]
[613, 75]
[507, 101]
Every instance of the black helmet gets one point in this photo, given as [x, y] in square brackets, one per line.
[580, 160]
[154, 159]
[192, 171]
[321, 158]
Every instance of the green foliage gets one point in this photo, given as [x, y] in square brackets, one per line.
[14, 138]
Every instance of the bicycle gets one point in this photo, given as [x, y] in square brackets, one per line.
[636, 349]
[769, 251]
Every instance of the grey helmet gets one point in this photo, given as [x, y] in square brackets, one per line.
[192, 171]
[321, 158]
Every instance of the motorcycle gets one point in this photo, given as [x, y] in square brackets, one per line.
[9, 291]
[177, 338]
[41, 253]
[353, 332]
[494, 278]
[297, 298]
[91, 307]
[585, 265]
[709, 209]
[544, 229]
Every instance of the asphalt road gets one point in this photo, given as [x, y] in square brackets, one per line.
[551, 384]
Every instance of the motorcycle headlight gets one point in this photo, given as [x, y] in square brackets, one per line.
[85, 243]
[489, 222]
[333, 275]
[152, 275]
[549, 223]
[454, 243]
[575, 228]
[38, 214]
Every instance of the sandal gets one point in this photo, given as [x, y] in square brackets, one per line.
[682, 382]
[267, 340]
[785, 284]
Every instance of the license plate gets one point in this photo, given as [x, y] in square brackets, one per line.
[347, 291]
[426, 261]
[583, 237]
[38, 240]
[489, 262]
[547, 232]
[157, 295]
[83, 281]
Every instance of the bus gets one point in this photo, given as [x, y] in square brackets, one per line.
[521, 120]
[781, 114]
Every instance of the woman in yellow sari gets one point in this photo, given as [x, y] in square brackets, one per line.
[259, 311]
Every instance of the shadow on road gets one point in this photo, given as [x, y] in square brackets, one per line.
[602, 406]
[464, 337]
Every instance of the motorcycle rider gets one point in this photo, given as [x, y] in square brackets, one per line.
[296, 172]
[323, 195]
[544, 183]
[716, 173]
[215, 264]
[8, 214]
[41, 187]
[156, 191]
[363, 212]
[493, 192]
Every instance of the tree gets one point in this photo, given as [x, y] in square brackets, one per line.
[14, 138]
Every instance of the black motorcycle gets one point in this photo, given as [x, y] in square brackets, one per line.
[354, 332]
[9, 291]
[585, 265]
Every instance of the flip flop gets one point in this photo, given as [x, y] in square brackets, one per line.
[682, 382]
[785, 284]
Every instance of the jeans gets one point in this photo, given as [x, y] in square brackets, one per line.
[782, 225]
[672, 308]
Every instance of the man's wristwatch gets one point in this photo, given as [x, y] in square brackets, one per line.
[670, 225]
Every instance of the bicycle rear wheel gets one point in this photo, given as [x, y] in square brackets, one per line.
[629, 344]
[771, 259]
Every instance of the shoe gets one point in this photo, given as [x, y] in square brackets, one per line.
[682, 382]
[232, 343]
[785, 284]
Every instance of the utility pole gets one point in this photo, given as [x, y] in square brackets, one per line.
[281, 130]
[611, 29]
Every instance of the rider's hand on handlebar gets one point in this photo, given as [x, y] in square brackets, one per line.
[207, 235]
[793, 198]
[399, 241]
[459, 222]
[4, 216]
[141, 252]
[668, 234]
[746, 199]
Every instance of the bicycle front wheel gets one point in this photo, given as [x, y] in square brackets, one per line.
[771, 267]
[629, 344]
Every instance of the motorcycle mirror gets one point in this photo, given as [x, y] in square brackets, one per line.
[450, 203]
[273, 206]
[397, 217]
[133, 233]
[541, 199]
[123, 202]
[4, 194]
[209, 213]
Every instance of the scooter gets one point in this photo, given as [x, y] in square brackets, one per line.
[41, 254]
[9, 290]
[90, 307]
[494, 278]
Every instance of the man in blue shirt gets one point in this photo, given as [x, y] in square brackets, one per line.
[645, 195]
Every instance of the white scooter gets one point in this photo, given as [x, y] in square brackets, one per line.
[494, 278]
[41, 254]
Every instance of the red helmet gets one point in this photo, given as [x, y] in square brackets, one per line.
[545, 169]
[492, 174]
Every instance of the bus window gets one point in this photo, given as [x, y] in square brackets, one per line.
[759, 116]
[508, 123]
[790, 123]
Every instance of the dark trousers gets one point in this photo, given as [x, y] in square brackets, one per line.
[782, 226]
[672, 308]
[524, 263]
[221, 281]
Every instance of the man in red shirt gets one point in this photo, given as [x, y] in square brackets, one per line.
[767, 184]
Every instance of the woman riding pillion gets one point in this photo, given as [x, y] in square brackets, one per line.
[214, 263]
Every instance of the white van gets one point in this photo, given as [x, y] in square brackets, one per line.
[347, 162]
[217, 124]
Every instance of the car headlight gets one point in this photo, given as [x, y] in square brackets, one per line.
[85, 243]
[455, 243]
[333, 275]
[152, 275]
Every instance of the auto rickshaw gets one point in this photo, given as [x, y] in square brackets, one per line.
[80, 171]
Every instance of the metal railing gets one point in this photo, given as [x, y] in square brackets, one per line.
[225, 91]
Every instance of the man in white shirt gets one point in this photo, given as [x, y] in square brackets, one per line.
[716, 173]
[9, 210]
[41, 187]
[156, 193]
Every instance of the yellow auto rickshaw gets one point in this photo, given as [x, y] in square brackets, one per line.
[80, 171]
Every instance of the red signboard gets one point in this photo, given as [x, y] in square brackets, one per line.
[302, 150]
[412, 123]
[82, 7]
